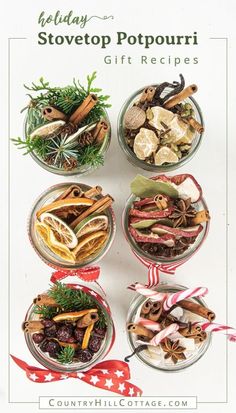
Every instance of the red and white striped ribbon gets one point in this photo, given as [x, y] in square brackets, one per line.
[174, 298]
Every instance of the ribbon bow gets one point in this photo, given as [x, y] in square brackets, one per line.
[85, 274]
[111, 375]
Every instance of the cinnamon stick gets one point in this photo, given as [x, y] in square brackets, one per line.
[188, 91]
[140, 330]
[44, 299]
[146, 307]
[73, 191]
[82, 111]
[32, 326]
[105, 206]
[51, 113]
[201, 216]
[197, 309]
[100, 131]
[87, 319]
[98, 206]
[147, 94]
[92, 192]
[196, 125]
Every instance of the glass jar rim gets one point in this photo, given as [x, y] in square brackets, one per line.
[143, 164]
[138, 300]
[48, 362]
[165, 260]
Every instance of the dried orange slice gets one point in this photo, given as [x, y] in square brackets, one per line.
[65, 202]
[89, 245]
[63, 233]
[49, 239]
[73, 316]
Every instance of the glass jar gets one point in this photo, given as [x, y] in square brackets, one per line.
[80, 170]
[165, 365]
[53, 364]
[130, 155]
[200, 205]
[40, 247]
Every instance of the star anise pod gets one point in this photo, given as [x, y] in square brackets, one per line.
[182, 212]
[173, 350]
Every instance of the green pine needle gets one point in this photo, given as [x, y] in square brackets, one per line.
[45, 311]
[66, 355]
[90, 155]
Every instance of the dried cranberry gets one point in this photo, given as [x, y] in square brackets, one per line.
[100, 331]
[53, 348]
[84, 355]
[50, 331]
[79, 334]
[71, 340]
[38, 337]
[94, 344]
[64, 332]
[48, 323]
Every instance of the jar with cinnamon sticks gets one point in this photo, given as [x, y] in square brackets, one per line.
[160, 127]
[72, 225]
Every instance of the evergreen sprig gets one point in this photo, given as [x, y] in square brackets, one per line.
[45, 311]
[90, 155]
[38, 145]
[66, 355]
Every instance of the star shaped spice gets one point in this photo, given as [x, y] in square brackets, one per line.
[183, 211]
[33, 377]
[109, 383]
[48, 377]
[173, 350]
[121, 387]
[94, 380]
[119, 373]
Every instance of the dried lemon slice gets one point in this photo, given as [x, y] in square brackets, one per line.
[62, 232]
[49, 239]
[165, 154]
[89, 245]
[47, 129]
[145, 143]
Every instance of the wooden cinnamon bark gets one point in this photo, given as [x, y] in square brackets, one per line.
[82, 111]
[140, 330]
[146, 308]
[87, 319]
[195, 125]
[44, 299]
[32, 326]
[98, 206]
[197, 309]
[188, 91]
[51, 113]
[148, 94]
[100, 131]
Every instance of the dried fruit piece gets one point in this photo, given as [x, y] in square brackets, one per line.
[160, 116]
[64, 203]
[145, 143]
[48, 129]
[165, 155]
[90, 244]
[178, 128]
[134, 118]
[73, 316]
[63, 233]
[87, 335]
[91, 224]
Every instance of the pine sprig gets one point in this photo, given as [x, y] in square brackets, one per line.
[45, 311]
[66, 355]
[38, 145]
[90, 155]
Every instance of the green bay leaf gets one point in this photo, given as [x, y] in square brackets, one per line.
[144, 188]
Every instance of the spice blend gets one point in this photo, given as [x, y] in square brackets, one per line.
[67, 127]
[75, 226]
[69, 325]
[160, 126]
[165, 219]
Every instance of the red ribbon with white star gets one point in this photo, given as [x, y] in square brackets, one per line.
[111, 375]
[87, 274]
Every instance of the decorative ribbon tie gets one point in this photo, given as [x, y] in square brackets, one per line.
[155, 268]
[111, 375]
[86, 274]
